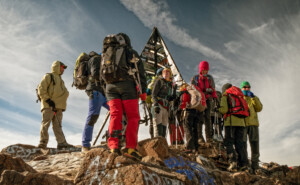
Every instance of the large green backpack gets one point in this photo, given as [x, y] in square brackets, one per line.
[116, 56]
[81, 72]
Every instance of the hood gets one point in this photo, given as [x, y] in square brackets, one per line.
[203, 66]
[56, 67]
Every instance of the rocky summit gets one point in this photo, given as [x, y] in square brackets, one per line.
[161, 164]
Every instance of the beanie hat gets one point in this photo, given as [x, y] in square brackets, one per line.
[245, 83]
[226, 86]
[203, 66]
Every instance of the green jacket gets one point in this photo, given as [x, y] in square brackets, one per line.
[235, 121]
[255, 106]
[57, 93]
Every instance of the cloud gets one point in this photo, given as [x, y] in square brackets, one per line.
[233, 46]
[156, 13]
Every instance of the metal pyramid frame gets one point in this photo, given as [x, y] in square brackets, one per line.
[156, 55]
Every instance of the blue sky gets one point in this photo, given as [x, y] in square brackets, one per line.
[252, 40]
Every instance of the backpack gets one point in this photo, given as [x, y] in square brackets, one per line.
[37, 88]
[236, 103]
[81, 72]
[197, 99]
[116, 56]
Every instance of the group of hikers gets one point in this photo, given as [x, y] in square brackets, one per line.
[115, 79]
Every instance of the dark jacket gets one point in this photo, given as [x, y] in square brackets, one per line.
[162, 90]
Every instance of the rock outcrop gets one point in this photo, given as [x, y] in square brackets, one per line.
[161, 164]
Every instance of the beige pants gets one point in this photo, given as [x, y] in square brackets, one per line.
[161, 118]
[47, 117]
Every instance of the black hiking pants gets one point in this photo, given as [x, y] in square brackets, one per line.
[190, 127]
[253, 136]
[235, 143]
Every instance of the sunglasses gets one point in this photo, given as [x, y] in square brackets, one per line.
[246, 87]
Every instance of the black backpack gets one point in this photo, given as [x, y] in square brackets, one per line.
[81, 72]
[116, 56]
[37, 91]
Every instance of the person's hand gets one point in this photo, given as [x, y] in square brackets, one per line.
[143, 96]
[250, 94]
[209, 90]
[51, 103]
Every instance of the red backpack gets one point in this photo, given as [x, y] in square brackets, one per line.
[237, 105]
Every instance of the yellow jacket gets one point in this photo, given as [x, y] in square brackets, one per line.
[58, 93]
[235, 121]
[255, 106]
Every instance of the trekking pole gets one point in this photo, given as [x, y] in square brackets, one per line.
[138, 83]
[176, 132]
[181, 134]
[106, 118]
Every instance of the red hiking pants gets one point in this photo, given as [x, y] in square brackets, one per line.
[131, 109]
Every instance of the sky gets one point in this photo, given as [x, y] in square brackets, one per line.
[253, 40]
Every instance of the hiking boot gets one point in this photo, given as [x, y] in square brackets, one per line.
[42, 145]
[115, 151]
[232, 167]
[132, 153]
[244, 169]
[85, 150]
[65, 145]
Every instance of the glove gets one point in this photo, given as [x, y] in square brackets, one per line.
[51, 103]
[209, 90]
[156, 109]
[250, 94]
[143, 96]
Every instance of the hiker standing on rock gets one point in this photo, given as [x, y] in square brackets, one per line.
[234, 122]
[96, 96]
[53, 95]
[204, 82]
[124, 75]
[252, 123]
[162, 93]
[191, 119]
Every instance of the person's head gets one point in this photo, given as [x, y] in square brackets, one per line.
[183, 86]
[58, 67]
[203, 68]
[225, 87]
[167, 74]
[62, 68]
[245, 86]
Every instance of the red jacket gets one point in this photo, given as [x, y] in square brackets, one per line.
[203, 83]
[185, 99]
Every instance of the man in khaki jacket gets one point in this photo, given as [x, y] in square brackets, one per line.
[53, 94]
[252, 123]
